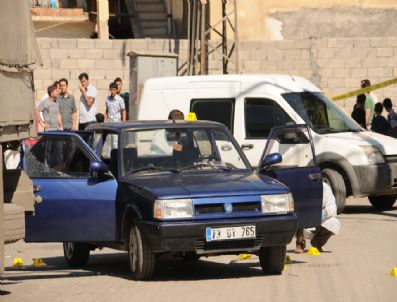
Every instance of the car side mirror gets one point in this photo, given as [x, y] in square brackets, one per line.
[98, 169]
[271, 159]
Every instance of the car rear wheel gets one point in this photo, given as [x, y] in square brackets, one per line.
[382, 202]
[272, 259]
[337, 184]
[76, 253]
[142, 259]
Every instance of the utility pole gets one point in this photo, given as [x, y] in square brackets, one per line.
[225, 41]
[102, 19]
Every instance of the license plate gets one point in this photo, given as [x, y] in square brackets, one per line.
[229, 233]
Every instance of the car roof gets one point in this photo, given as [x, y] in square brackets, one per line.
[119, 126]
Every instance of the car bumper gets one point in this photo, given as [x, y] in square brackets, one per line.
[377, 179]
[190, 236]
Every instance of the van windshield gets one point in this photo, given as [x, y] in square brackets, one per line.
[321, 114]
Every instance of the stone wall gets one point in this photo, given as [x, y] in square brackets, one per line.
[335, 65]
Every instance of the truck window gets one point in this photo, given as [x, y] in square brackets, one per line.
[217, 110]
[261, 115]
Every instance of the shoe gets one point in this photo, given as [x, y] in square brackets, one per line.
[299, 250]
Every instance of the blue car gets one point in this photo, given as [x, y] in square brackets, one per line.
[180, 187]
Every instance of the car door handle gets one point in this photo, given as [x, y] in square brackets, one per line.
[247, 146]
[36, 188]
[315, 176]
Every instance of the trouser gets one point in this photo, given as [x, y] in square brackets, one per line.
[300, 239]
[82, 126]
[321, 236]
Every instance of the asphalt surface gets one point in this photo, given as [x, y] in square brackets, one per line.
[355, 266]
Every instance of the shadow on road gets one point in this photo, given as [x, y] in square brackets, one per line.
[368, 209]
[117, 265]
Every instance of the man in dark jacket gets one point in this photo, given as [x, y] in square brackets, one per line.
[379, 122]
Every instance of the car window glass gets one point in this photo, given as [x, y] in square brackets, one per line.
[294, 146]
[217, 110]
[56, 157]
[178, 148]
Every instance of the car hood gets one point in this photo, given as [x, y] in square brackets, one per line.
[197, 185]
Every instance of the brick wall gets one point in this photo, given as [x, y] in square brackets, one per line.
[335, 65]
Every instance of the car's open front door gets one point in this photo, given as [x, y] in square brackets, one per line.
[76, 204]
[297, 170]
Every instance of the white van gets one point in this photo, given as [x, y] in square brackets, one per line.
[354, 161]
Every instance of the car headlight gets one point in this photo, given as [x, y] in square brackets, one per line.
[280, 203]
[173, 208]
[373, 154]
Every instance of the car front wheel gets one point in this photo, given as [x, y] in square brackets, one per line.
[141, 257]
[76, 253]
[272, 259]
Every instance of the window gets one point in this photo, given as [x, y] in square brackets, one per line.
[217, 110]
[321, 114]
[261, 115]
[56, 157]
[178, 149]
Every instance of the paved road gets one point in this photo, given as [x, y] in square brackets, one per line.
[355, 267]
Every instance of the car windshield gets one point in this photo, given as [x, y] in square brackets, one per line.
[178, 149]
[321, 114]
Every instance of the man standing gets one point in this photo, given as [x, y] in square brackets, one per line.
[67, 106]
[369, 103]
[115, 107]
[47, 112]
[87, 102]
[125, 95]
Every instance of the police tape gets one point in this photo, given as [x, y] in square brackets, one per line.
[364, 90]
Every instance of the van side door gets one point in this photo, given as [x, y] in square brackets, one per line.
[297, 170]
[260, 116]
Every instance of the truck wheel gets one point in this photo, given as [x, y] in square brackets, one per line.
[14, 222]
[76, 253]
[272, 259]
[337, 184]
[382, 202]
[141, 257]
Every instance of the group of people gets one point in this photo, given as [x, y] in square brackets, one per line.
[57, 109]
[368, 113]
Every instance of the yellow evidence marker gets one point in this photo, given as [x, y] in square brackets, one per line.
[38, 262]
[18, 262]
[245, 256]
[393, 272]
[313, 251]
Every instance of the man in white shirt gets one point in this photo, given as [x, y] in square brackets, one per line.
[161, 143]
[88, 105]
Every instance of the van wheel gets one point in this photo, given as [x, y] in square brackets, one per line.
[76, 253]
[382, 202]
[337, 184]
[141, 257]
[272, 259]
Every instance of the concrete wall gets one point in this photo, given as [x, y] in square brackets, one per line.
[300, 19]
[335, 65]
